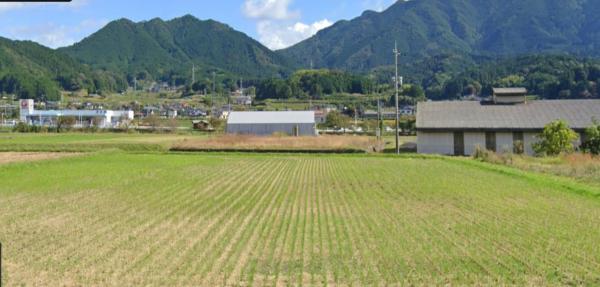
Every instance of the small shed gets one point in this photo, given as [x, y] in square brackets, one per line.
[509, 95]
[295, 123]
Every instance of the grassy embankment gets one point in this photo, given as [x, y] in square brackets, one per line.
[584, 168]
[85, 142]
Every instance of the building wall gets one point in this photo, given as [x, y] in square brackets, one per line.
[510, 99]
[472, 141]
[504, 142]
[435, 142]
[443, 142]
[530, 139]
[269, 129]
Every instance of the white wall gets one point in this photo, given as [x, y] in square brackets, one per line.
[474, 140]
[530, 139]
[443, 142]
[504, 142]
[435, 142]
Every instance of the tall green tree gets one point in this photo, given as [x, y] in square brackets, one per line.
[592, 139]
[556, 138]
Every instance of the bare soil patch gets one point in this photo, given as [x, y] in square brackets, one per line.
[281, 143]
[10, 157]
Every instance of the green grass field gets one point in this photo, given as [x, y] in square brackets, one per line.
[215, 219]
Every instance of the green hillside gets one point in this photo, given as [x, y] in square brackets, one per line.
[30, 70]
[468, 29]
[167, 50]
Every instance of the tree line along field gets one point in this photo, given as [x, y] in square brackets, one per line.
[230, 219]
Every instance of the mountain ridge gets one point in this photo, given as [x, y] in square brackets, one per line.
[160, 47]
[475, 28]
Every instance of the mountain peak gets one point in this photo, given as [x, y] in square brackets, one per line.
[160, 48]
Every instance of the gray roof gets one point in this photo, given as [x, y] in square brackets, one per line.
[533, 115]
[509, 90]
[304, 117]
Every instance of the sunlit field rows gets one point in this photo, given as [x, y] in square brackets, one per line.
[226, 219]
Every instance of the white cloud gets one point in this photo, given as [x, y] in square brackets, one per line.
[54, 36]
[277, 25]
[277, 36]
[269, 9]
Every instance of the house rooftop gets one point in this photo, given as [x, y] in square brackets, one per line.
[500, 91]
[534, 115]
[289, 117]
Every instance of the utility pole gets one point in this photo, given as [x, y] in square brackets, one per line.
[212, 104]
[378, 130]
[134, 84]
[397, 81]
[193, 74]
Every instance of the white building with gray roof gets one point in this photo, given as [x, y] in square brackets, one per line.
[458, 128]
[83, 118]
[297, 123]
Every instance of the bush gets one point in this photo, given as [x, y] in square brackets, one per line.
[519, 147]
[556, 138]
[336, 119]
[25, 128]
[592, 140]
[65, 123]
[485, 155]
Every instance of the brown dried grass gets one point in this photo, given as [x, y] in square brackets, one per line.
[283, 143]
[10, 157]
[582, 167]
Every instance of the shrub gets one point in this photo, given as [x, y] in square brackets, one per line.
[336, 119]
[65, 123]
[518, 147]
[556, 138]
[592, 140]
[485, 155]
[25, 128]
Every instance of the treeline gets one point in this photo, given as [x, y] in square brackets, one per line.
[314, 84]
[30, 70]
[46, 87]
[546, 76]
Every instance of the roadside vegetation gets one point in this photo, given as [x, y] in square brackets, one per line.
[556, 154]
[338, 144]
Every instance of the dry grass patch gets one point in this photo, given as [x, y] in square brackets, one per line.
[10, 157]
[582, 167]
[283, 143]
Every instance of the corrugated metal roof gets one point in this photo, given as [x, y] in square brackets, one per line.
[303, 117]
[532, 115]
[509, 90]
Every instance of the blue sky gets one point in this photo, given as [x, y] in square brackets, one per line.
[275, 23]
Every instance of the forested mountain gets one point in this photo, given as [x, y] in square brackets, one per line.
[449, 47]
[167, 50]
[546, 76]
[469, 29]
[30, 70]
